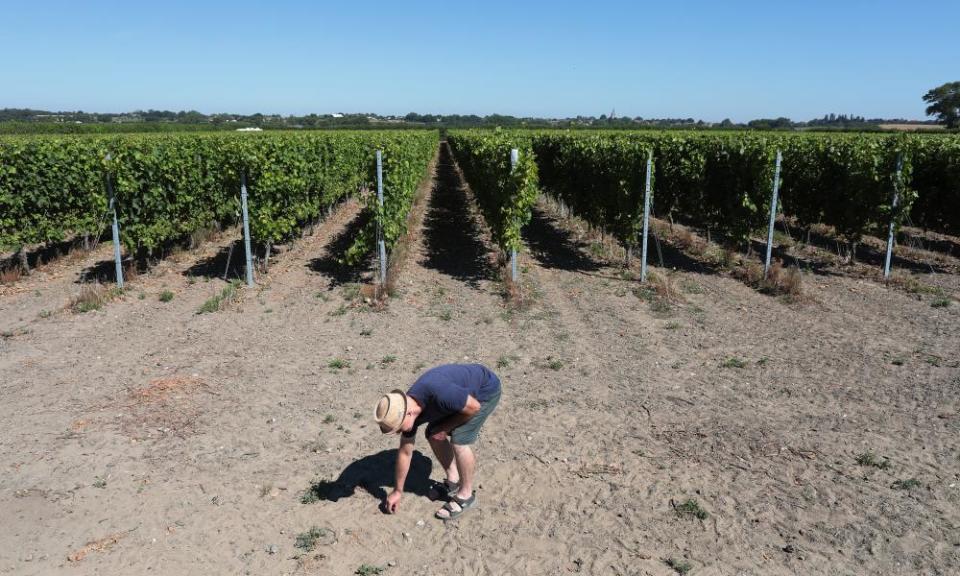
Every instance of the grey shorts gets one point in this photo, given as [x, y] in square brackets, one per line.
[467, 432]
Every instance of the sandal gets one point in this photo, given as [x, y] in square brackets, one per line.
[457, 506]
[443, 490]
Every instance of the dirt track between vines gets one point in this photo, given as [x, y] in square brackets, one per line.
[146, 437]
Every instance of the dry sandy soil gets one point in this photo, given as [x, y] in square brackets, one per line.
[146, 438]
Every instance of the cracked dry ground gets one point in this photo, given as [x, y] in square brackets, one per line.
[145, 438]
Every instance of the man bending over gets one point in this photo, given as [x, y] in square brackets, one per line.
[453, 400]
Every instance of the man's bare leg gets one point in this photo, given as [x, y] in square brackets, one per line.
[443, 450]
[467, 464]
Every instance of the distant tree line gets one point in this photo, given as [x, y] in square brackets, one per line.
[944, 103]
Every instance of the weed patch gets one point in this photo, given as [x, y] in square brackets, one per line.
[166, 296]
[659, 293]
[681, 567]
[908, 484]
[93, 297]
[307, 541]
[733, 362]
[908, 283]
[691, 509]
[551, 363]
[229, 295]
[778, 281]
[691, 287]
[338, 364]
[869, 459]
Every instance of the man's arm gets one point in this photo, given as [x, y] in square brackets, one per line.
[445, 426]
[404, 456]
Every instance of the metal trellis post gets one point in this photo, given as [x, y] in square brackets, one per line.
[381, 245]
[646, 217]
[773, 214]
[115, 229]
[514, 159]
[246, 227]
[893, 216]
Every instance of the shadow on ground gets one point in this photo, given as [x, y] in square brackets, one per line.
[553, 247]
[105, 271]
[872, 256]
[330, 265]
[42, 254]
[216, 266]
[372, 473]
[451, 235]
[948, 246]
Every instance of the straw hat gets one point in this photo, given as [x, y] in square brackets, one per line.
[390, 411]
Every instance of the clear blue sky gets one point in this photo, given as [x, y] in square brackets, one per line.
[685, 58]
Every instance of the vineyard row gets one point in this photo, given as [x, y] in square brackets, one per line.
[719, 181]
[168, 186]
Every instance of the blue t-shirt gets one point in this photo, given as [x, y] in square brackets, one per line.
[443, 390]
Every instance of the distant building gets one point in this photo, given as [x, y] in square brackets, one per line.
[250, 129]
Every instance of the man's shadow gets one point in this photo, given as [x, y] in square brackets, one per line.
[372, 473]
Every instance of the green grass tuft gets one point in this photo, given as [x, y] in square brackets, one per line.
[869, 459]
[691, 509]
[908, 484]
[229, 294]
[307, 541]
[679, 566]
[733, 362]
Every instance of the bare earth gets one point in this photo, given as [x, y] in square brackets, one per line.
[146, 438]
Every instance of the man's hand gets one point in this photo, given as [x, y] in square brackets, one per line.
[439, 435]
[393, 501]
